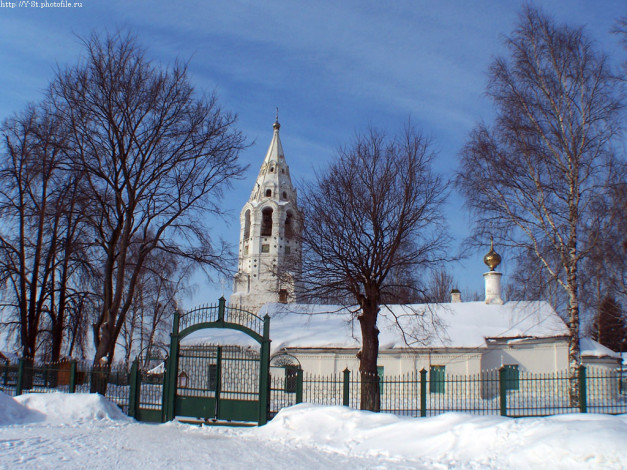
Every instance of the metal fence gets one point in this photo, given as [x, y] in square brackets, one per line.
[506, 391]
[136, 392]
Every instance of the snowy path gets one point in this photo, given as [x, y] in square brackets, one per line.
[82, 431]
[172, 446]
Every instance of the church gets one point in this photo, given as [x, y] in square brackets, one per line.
[456, 337]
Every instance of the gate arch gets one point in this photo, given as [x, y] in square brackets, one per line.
[209, 403]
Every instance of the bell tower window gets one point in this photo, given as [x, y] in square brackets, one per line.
[289, 225]
[283, 296]
[266, 222]
[247, 225]
[268, 193]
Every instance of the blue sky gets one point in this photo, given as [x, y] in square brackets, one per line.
[332, 67]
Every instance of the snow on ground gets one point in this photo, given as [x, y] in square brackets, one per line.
[87, 431]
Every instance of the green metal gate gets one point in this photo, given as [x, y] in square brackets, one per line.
[218, 382]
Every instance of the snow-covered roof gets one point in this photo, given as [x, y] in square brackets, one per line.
[590, 348]
[452, 325]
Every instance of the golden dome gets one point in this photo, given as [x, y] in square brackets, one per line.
[276, 126]
[492, 259]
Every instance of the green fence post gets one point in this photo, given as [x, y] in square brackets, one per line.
[20, 376]
[72, 384]
[583, 399]
[503, 391]
[347, 387]
[133, 393]
[264, 372]
[172, 372]
[423, 393]
[164, 390]
[299, 385]
[221, 308]
[216, 410]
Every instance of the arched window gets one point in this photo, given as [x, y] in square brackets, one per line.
[247, 225]
[266, 222]
[289, 225]
[268, 193]
[284, 195]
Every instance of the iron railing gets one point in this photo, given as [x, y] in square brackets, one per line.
[503, 391]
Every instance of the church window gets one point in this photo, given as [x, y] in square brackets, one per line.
[265, 248]
[266, 222]
[289, 222]
[284, 195]
[271, 169]
[268, 193]
[437, 379]
[381, 374]
[283, 296]
[291, 375]
[511, 377]
[283, 170]
[247, 224]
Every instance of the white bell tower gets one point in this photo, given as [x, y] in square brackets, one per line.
[269, 249]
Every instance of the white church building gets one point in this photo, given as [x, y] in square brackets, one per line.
[269, 252]
[452, 338]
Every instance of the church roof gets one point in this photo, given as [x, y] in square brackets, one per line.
[275, 151]
[274, 174]
[446, 325]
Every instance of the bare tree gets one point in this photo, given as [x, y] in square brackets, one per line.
[149, 321]
[31, 195]
[538, 176]
[374, 211]
[439, 288]
[155, 158]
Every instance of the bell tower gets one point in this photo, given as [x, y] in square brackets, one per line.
[269, 250]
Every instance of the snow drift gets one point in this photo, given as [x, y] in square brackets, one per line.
[13, 412]
[57, 407]
[575, 441]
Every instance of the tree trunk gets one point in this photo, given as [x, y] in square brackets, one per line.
[573, 340]
[370, 392]
[102, 362]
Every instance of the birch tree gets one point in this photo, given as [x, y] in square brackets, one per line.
[537, 177]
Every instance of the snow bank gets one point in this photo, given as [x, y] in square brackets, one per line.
[570, 441]
[13, 412]
[57, 407]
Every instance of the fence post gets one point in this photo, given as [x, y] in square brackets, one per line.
[583, 399]
[347, 387]
[72, 384]
[221, 308]
[503, 390]
[20, 376]
[423, 393]
[169, 390]
[299, 385]
[264, 373]
[133, 393]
